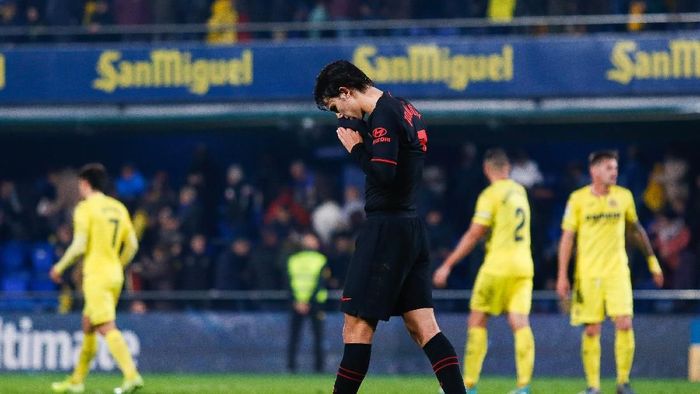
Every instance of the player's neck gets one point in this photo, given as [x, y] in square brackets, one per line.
[600, 189]
[92, 193]
[498, 177]
[369, 99]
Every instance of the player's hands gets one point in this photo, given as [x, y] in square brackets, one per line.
[55, 275]
[302, 308]
[658, 279]
[440, 276]
[563, 287]
[349, 138]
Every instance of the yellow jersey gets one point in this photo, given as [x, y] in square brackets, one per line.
[105, 223]
[599, 223]
[504, 208]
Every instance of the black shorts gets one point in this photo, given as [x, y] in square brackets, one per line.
[390, 271]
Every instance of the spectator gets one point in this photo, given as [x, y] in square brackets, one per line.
[132, 12]
[303, 184]
[339, 257]
[63, 12]
[232, 270]
[196, 268]
[159, 274]
[307, 274]
[441, 236]
[466, 182]
[342, 12]
[9, 13]
[525, 170]
[318, 14]
[221, 24]
[266, 267]
[11, 212]
[671, 237]
[189, 212]
[131, 184]
[354, 204]
[326, 219]
[164, 13]
[285, 214]
[241, 201]
[500, 10]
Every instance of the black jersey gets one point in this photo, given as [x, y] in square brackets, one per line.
[392, 156]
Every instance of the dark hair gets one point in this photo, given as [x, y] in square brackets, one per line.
[600, 155]
[496, 157]
[94, 174]
[340, 73]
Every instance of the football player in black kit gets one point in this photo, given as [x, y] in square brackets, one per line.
[389, 272]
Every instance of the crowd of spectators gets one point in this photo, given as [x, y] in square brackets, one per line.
[222, 16]
[235, 233]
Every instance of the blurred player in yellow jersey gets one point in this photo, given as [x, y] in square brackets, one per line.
[504, 281]
[103, 233]
[597, 217]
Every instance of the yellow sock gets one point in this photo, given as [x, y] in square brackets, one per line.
[474, 354]
[87, 353]
[524, 355]
[590, 353]
[120, 352]
[624, 354]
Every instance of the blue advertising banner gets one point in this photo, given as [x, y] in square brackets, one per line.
[525, 67]
[257, 342]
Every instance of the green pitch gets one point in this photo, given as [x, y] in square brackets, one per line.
[312, 384]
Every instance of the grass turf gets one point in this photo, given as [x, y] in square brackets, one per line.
[288, 384]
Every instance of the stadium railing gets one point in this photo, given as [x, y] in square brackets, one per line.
[393, 28]
[448, 300]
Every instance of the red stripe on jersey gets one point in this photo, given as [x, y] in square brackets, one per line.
[385, 161]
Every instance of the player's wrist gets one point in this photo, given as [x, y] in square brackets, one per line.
[653, 264]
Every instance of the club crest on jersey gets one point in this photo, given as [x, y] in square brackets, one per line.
[612, 203]
[379, 135]
[409, 111]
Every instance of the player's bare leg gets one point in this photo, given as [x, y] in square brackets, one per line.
[357, 337]
[590, 354]
[624, 352]
[424, 330]
[524, 350]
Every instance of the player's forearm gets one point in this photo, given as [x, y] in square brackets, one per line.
[643, 242]
[464, 247]
[381, 170]
[566, 245]
[75, 250]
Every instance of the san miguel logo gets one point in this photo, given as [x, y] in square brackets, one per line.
[379, 136]
[680, 60]
[2, 72]
[436, 64]
[166, 68]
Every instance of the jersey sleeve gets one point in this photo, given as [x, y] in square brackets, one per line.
[630, 209]
[384, 131]
[570, 222]
[81, 227]
[81, 220]
[130, 241]
[485, 209]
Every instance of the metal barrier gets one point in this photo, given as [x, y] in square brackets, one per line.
[375, 27]
[334, 295]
